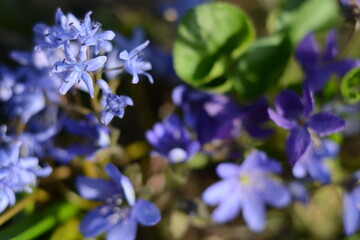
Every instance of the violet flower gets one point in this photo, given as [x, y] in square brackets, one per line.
[113, 105]
[120, 213]
[77, 69]
[172, 141]
[294, 113]
[247, 188]
[319, 66]
[135, 64]
[313, 162]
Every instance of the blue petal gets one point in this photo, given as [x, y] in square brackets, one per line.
[95, 63]
[125, 230]
[254, 213]
[95, 222]
[69, 81]
[288, 104]
[95, 189]
[275, 194]
[281, 121]
[104, 86]
[307, 52]
[106, 117]
[227, 170]
[350, 215]
[228, 208]
[122, 182]
[325, 123]
[146, 213]
[86, 78]
[297, 144]
[218, 191]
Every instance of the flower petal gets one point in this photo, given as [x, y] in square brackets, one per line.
[106, 117]
[218, 191]
[297, 144]
[350, 214]
[95, 222]
[95, 63]
[125, 230]
[254, 213]
[146, 213]
[69, 81]
[325, 123]
[308, 100]
[227, 170]
[275, 194]
[122, 181]
[288, 104]
[281, 121]
[307, 52]
[104, 86]
[228, 209]
[95, 189]
[86, 78]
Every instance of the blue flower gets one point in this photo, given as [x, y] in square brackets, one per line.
[55, 36]
[113, 105]
[319, 66]
[120, 213]
[135, 64]
[172, 141]
[313, 162]
[89, 34]
[294, 113]
[246, 188]
[7, 82]
[17, 174]
[77, 69]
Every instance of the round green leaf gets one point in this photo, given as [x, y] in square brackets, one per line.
[350, 86]
[209, 37]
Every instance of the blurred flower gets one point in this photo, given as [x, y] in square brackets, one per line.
[56, 36]
[135, 64]
[172, 141]
[298, 191]
[89, 34]
[77, 68]
[247, 187]
[174, 10]
[351, 201]
[120, 213]
[319, 66]
[218, 117]
[350, 10]
[113, 105]
[8, 79]
[90, 137]
[293, 113]
[313, 162]
[17, 174]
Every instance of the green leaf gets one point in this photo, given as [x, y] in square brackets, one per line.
[68, 231]
[209, 37]
[350, 86]
[38, 223]
[262, 66]
[299, 17]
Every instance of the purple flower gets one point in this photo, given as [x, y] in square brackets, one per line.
[77, 69]
[246, 188]
[135, 64]
[351, 201]
[113, 105]
[89, 34]
[313, 162]
[17, 174]
[120, 213]
[172, 141]
[294, 113]
[319, 66]
[7, 82]
[90, 137]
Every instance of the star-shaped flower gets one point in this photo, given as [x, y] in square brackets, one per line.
[120, 213]
[113, 105]
[77, 69]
